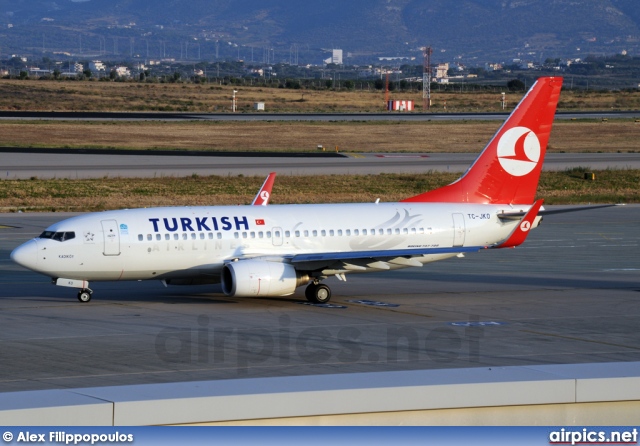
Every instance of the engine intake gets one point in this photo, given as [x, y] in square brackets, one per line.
[248, 278]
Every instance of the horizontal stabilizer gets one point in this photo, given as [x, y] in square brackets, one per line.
[542, 213]
[520, 233]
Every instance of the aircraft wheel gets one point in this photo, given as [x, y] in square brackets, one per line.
[84, 296]
[318, 294]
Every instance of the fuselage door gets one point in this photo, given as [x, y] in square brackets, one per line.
[111, 238]
[277, 236]
[458, 230]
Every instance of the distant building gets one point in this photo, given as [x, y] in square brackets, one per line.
[97, 66]
[441, 70]
[336, 58]
[122, 71]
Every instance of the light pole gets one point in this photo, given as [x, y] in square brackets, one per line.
[233, 101]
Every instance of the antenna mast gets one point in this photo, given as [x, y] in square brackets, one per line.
[426, 78]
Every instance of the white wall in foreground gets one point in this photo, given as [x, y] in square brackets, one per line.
[576, 394]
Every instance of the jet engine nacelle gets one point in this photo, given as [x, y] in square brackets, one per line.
[247, 278]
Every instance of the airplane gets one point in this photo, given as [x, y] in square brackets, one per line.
[272, 250]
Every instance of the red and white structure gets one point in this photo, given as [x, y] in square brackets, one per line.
[400, 105]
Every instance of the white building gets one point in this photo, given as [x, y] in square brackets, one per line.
[97, 66]
[122, 71]
[336, 58]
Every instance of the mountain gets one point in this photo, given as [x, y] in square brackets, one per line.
[276, 30]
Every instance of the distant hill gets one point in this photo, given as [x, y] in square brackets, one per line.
[277, 30]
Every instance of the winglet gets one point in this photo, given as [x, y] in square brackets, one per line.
[264, 194]
[520, 233]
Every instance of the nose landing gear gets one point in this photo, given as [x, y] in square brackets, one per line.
[84, 295]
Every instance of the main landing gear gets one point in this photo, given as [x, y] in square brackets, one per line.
[318, 293]
[84, 295]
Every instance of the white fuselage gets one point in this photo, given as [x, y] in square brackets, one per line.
[191, 242]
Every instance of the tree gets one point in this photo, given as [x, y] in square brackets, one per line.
[515, 85]
[87, 73]
[349, 84]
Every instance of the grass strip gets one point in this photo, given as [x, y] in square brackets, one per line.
[64, 195]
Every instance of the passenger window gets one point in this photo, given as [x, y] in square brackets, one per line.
[364, 232]
[268, 234]
[297, 233]
[158, 237]
[405, 231]
[236, 235]
[356, 232]
[277, 233]
[348, 232]
[323, 233]
[167, 237]
[252, 234]
[244, 235]
[331, 232]
[286, 234]
[149, 237]
[219, 235]
[339, 232]
[184, 236]
[140, 237]
[176, 236]
[389, 231]
[202, 236]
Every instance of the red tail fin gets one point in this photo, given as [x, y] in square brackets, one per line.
[508, 169]
[264, 194]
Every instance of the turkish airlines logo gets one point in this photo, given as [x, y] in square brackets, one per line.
[519, 151]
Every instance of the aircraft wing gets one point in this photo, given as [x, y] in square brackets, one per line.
[365, 260]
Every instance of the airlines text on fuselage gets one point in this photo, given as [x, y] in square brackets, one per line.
[199, 224]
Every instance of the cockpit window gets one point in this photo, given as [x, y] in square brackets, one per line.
[58, 236]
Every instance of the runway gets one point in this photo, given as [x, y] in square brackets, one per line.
[24, 164]
[571, 294]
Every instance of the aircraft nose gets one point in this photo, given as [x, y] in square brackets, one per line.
[26, 254]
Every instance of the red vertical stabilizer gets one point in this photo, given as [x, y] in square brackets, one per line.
[508, 169]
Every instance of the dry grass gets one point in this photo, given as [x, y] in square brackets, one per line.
[611, 186]
[450, 137]
[135, 96]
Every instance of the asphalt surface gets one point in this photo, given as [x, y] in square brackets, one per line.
[570, 294]
[25, 164]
